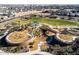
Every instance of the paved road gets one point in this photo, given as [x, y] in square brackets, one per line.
[9, 19]
[20, 14]
[5, 33]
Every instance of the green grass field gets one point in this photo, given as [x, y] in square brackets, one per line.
[53, 22]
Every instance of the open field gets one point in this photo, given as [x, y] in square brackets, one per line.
[53, 22]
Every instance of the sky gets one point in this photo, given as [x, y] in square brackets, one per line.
[39, 1]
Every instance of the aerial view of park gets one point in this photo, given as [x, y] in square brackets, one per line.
[39, 29]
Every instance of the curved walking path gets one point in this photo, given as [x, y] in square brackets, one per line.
[5, 33]
[38, 51]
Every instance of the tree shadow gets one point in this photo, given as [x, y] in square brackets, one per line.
[4, 43]
[51, 40]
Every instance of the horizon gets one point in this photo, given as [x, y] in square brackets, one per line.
[39, 2]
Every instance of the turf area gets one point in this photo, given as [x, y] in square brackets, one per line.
[53, 22]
